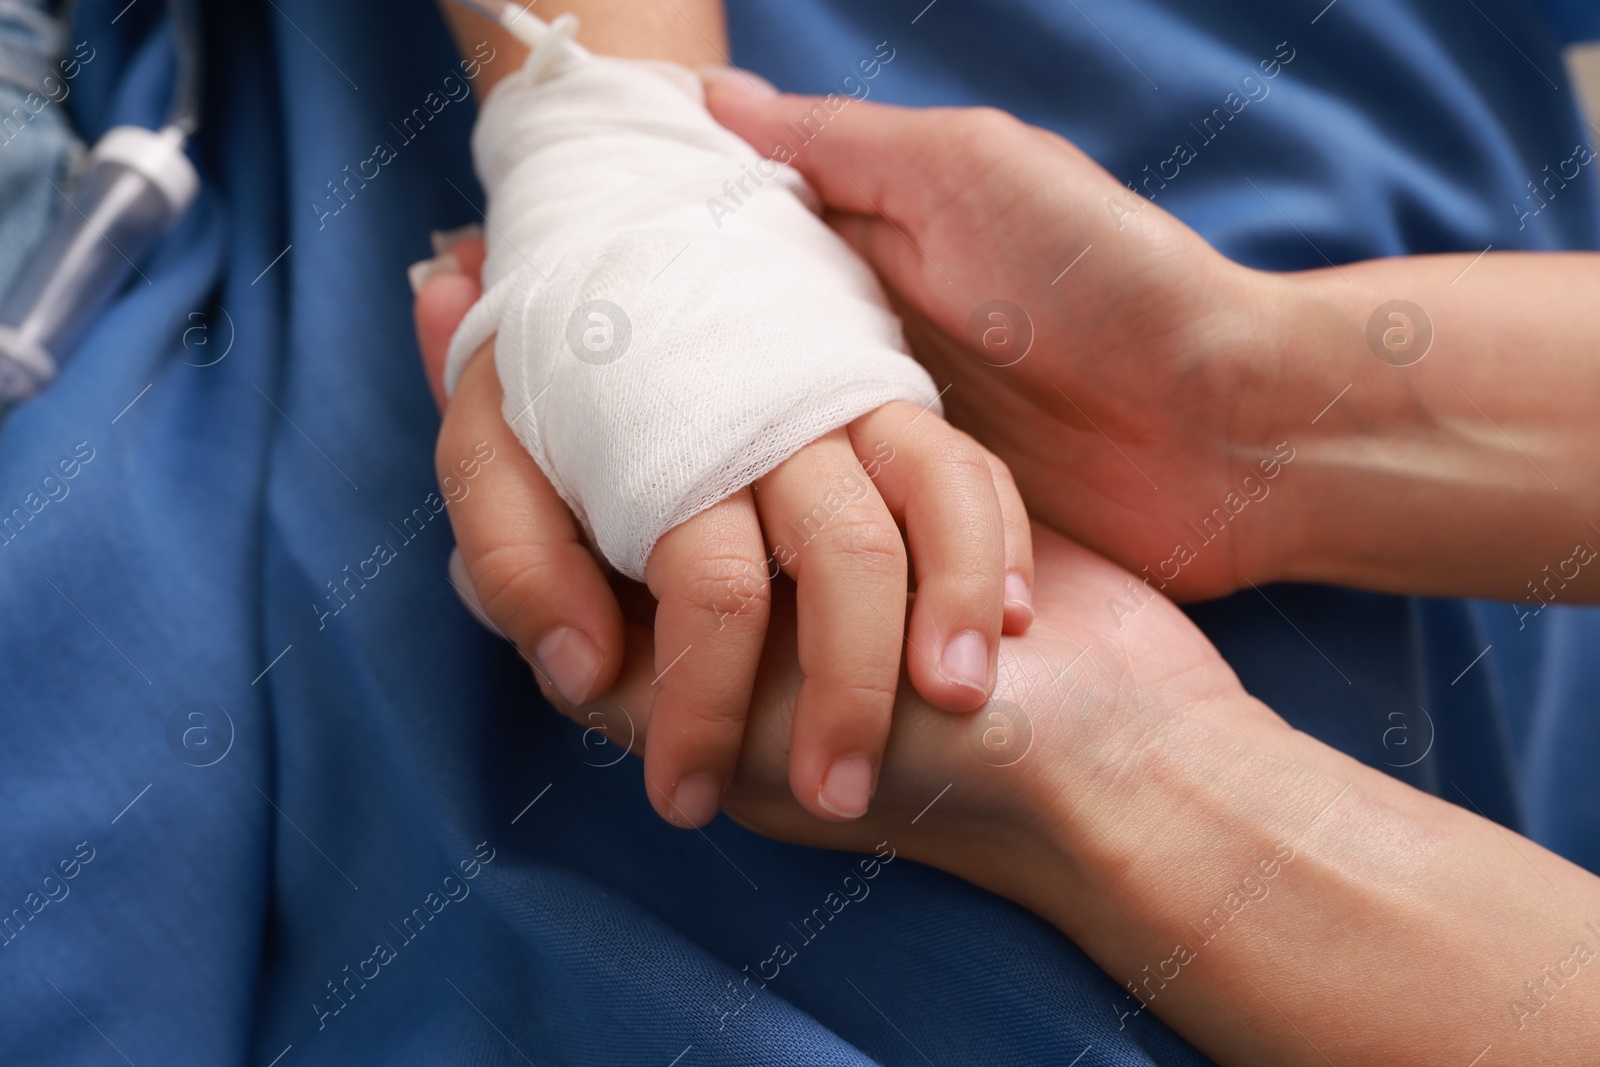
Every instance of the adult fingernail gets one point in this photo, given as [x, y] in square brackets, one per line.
[847, 787]
[421, 274]
[571, 662]
[1017, 593]
[445, 240]
[966, 660]
[737, 80]
[696, 800]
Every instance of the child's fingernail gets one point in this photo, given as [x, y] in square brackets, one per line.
[422, 273]
[696, 800]
[445, 240]
[570, 660]
[966, 660]
[737, 80]
[1017, 592]
[847, 787]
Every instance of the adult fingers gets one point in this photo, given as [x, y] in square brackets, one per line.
[837, 143]
[532, 572]
[922, 192]
[905, 164]
[831, 532]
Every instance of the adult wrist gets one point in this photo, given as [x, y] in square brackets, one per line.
[1372, 453]
[1144, 839]
[1273, 349]
[1239, 881]
[1075, 845]
[1427, 472]
[1362, 441]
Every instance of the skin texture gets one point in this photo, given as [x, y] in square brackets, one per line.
[964, 547]
[1122, 786]
[1270, 898]
[1161, 375]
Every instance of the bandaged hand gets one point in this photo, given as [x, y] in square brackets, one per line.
[814, 481]
[540, 585]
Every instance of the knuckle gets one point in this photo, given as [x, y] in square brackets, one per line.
[457, 438]
[733, 588]
[871, 540]
[983, 126]
[871, 690]
[1012, 508]
[862, 693]
[983, 143]
[1000, 471]
[712, 716]
[956, 456]
[518, 585]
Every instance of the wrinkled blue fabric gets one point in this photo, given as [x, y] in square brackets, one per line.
[251, 791]
[36, 141]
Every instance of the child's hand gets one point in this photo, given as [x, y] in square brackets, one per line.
[829, 517]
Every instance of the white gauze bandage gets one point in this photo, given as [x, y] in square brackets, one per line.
[674, 320]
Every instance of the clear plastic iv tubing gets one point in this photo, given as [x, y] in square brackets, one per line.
[525, 26]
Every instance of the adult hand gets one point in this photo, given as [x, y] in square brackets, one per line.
[1075, 687]
[1095, 343]
[1240, 878]
[1204, 424]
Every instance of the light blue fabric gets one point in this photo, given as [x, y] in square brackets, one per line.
[36, 141]
[252, 423]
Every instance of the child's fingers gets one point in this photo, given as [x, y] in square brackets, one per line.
[1019, 547]
[940, 485]
[709, 576]
[448, 288]
[830, 531]
[469, 251]
[532, 572]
